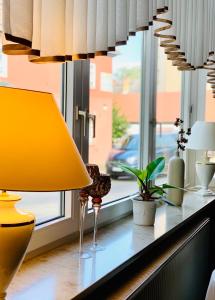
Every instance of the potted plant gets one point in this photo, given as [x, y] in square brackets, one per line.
[144, 206]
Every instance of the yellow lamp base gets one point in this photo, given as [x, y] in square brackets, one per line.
[16, 228]
[3, 296]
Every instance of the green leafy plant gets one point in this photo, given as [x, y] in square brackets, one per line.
[145, 178]
[119, 124]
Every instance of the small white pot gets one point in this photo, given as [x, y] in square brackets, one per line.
[144, 212]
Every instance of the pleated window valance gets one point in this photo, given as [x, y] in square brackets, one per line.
[61, 30]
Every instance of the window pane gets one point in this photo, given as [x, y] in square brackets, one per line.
[209, 105]
[115, 100]
[16, 71]
[209, 113]
[167, 107]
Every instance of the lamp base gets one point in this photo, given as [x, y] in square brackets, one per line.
[204, 193]
[3, 296]
[205, 172]
[16, 228]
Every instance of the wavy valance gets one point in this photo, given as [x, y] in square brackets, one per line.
[61, 30]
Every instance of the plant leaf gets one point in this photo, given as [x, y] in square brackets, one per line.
[168, 186]
[134, 171]
[130, 170]
[155, 168]
[143, 174]
[157, 190]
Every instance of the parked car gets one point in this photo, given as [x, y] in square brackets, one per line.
[128, 152]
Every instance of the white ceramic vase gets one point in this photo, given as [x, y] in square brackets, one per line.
[205, 173]
[176, 169]
[144, 212]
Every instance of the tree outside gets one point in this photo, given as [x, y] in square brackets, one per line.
[119, 124]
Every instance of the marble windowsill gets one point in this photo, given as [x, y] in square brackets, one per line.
[60, 275]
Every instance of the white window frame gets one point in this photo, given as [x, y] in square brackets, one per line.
[192, 109]
[76, 92]
[63, 228]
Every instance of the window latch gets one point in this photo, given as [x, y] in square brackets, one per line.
[153, 122]
[85, 115]
[81, 114]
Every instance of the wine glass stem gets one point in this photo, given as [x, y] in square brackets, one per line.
[96, 208]
[82, 218]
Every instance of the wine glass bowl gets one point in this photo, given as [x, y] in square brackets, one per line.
[100, 187]
[93, 171]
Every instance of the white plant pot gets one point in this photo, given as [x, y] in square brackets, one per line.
[144, 212]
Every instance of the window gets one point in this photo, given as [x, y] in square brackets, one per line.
[119, 91]
[16, 71]
[209, 113]
[115, 87]
[167, 107]
[209, 105]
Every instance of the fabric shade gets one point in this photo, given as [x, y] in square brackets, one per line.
[63, 30]
[37, 152]
[202, 136]
[53, 30]
[211, 288]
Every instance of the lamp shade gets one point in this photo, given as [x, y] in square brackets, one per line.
[37, 152]
[202, 136]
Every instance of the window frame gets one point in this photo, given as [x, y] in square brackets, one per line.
[75, 91]
[192, 109]
[55, 231]
[80, 95]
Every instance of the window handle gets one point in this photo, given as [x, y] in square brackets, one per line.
[93, 118]
[81, 114]
[153, 122]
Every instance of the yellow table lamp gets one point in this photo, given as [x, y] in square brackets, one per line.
[37, 154]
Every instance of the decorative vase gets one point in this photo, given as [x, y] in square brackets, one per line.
[205, 173]
[176, 178]
[16, 229]
[144, 212]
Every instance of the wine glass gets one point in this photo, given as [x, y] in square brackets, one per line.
[99, 189]
[93, 171]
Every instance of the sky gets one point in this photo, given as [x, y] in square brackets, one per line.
[130, 54]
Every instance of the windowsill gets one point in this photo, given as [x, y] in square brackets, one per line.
[112, 203]
[59, 274]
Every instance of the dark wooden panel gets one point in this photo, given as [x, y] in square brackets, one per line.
[185, 276]
[108, 286]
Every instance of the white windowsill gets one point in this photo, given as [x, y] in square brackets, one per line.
[63, 276]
